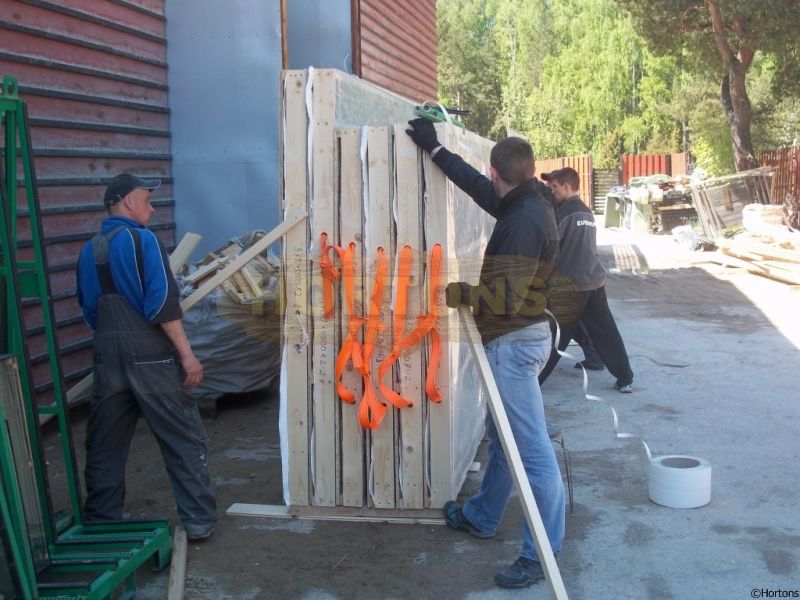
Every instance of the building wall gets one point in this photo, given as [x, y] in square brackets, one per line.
[94, 76]
[318, 34]
[397, 42]
[224, 80]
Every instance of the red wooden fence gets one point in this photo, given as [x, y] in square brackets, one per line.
[786, 173]
[582, 164]
[641, 165]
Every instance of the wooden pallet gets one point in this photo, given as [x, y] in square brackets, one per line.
[348, 162]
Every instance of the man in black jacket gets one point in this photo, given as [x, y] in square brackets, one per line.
[509, 305]
[577, 261]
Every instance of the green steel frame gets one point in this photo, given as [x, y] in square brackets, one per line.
[87, 561]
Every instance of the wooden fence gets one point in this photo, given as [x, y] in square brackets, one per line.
[582, 164]
[786, 172]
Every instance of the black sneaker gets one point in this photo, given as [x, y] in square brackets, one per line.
[625, 388]
[522, 573]
[455, 519]
[199, 531]
[590, 365]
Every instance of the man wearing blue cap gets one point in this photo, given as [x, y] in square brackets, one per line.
[143, 362]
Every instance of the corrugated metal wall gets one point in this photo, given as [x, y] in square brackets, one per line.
[94, 75]
[395, 46]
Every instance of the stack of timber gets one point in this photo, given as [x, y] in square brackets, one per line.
[245, 285]
[763, 255]
[719, 201]
[366, 330]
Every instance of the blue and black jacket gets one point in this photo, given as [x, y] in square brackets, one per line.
[142, 276]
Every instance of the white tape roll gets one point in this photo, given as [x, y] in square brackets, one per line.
[680, 481]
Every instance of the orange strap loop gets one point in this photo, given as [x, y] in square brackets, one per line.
[371, 411]
[351, 348]
[426, 324]
[330, 274]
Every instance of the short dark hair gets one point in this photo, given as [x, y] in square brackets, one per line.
[512, 158]
[568, 176]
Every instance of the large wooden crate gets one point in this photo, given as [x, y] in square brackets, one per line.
[347, 161]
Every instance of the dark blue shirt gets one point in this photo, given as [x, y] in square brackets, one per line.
[153, 294]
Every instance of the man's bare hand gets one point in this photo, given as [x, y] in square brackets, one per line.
[193, 369]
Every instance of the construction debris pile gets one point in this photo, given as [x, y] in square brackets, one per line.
[750, 232]
[235, 329]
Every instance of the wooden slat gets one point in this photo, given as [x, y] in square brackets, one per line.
[351, 230]
[324, 337]
[408, 190]
[379, 223]
[183, 251]
[294, 184]
[440, 446]
[177, 568]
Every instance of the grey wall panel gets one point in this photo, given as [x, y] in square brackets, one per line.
[319, 34]
[224, 76]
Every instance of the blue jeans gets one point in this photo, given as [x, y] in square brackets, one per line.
[516, 359]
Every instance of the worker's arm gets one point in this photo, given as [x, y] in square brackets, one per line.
[479, 187]
[191, 366]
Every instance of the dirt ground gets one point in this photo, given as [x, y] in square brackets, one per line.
[715, 354]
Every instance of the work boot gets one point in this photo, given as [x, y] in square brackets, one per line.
[522, 573]
[199, 531]
[590, 365]
[455, 519]
[625, 388]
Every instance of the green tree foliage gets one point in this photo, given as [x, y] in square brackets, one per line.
[575, 77]
[722, 38]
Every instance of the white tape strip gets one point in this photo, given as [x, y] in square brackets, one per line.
[675, 481]
[310, 153]
[619, 434]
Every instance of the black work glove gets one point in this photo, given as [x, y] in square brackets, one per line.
[457, 293]
[423, 133]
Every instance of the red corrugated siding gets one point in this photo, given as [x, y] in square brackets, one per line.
[94, 76]
[398, 46]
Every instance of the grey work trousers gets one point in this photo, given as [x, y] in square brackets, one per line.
[137, 373]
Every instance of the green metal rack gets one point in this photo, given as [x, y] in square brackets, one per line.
[50, 555]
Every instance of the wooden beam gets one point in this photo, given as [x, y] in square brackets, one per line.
[240, 261]
[543, 549]
[183, 251]
[177, 569]
[351, 200]
[338, 513]
[294, 370]
[380, 226]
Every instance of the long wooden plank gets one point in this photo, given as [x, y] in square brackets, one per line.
[183, 251]
[524, 490]
[351, 230]
[439, 454]
[177, 569]
[240, 261]
[379, 222]
[325, 344]
[294, 386]
[410, 376]
[339, 513]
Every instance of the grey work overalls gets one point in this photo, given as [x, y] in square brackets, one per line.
[136, 372]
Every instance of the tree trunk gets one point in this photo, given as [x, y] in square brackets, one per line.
[739, 114]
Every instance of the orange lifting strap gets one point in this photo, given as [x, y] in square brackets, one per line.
[371, 410]
[426, 324]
